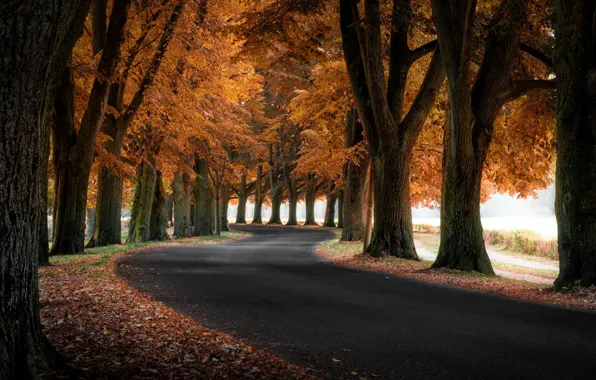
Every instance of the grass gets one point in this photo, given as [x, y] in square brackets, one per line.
[101, 256]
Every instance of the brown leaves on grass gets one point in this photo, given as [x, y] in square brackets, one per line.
[109, 330]
[578, 298]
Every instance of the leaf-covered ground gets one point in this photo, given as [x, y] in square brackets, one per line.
[108, 330]
[349, 254]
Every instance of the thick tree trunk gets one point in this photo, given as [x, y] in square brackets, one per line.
[218, 210]
[140, 219]
[108, 215]
[276, 193]
[257, 216]
[330, 208]
[242, 198]
[354, 184]
[293, 205]
[575, 66]
[203, 200]
[34, 52]
[193, 215]
[392, 232]
[309, 200]
[158, 226]
[71, 175]
[181, 201]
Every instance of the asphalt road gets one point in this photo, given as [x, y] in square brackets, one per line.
[271, 290]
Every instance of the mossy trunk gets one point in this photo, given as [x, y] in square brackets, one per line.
[575, 66]
[309, 200]
[242, 198]
[158, 226]
[203, 200]
[140, 218]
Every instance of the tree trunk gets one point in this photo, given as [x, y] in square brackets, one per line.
[140, 219]
[44, 150]
[108, 216]
[276, 193]
[575, 66]
[330, 208]
[369, 206]
[203, 199]
[71, 175]
[224, 208]
[193, 215]
[257, 217]
[181, 221]
[242, 198]
[340, 209]
[218, 210]
[90, 225]
[293, 205]
[158, 225]
[34, 52]
[170, 209]
[354, 183]
[309, 200]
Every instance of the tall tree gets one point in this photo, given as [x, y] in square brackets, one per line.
[34, 54]
[73, 148]
[471, 118]
[390, 136]
[575, 66]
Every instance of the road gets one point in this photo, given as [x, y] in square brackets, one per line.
[273, 291]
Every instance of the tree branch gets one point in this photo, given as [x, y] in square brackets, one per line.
[537, 54]
[521, 87]
[423, 50]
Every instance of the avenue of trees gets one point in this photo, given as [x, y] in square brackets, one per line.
[174, 109]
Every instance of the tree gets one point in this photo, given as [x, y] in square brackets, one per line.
[73, 148]
[34, 54]
[575, 66]
[471, 120]
[390, 136]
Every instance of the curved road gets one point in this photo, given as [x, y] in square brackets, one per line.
[271, 290]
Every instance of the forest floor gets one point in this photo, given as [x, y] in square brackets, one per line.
[518, 276]
[108, 330]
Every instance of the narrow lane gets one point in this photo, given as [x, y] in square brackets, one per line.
[271, 290]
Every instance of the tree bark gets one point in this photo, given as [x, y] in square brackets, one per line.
[276, 188]
[158, 226]
[140, 217]
[575, 66]
[242, 199]
[203, 199]
[309, 199]
[36, 38]
[354, 183]
[330, 207]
